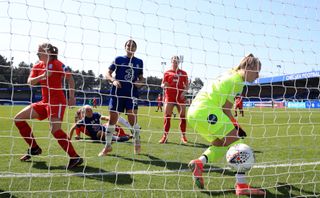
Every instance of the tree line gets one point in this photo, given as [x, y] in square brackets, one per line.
[11, 75]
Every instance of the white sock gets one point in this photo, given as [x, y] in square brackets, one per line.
[203, 159]
[241, 178]
[124, 122]
[109, 132]
[136, 133]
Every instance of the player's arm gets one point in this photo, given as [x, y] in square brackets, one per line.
[109, 78]
[71, 84]
[140, 82]
[72, 131]
[34, 79]
[164, 83]
[226, 108]
[105, 118]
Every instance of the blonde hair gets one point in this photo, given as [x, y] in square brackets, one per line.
[50, 49]
[249, 62]
[175, 58]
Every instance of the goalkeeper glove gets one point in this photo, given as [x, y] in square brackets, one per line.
[241, 132]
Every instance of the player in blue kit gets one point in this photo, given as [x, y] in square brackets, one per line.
[128, 78]
[91, 124]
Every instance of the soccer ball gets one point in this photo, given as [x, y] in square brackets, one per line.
[240, 157]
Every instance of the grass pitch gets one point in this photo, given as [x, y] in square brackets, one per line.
[285, 141]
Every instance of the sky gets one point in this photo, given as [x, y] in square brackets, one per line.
[212, 36]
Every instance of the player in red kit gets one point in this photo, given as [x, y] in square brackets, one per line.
[238, 104]
[50, 74]
[94, 103]
[159, 100]
[175, 84]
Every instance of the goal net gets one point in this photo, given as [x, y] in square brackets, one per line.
[281, 108]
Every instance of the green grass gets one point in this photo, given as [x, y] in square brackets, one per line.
[278, 136]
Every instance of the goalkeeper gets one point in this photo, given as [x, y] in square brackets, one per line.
[210, 115]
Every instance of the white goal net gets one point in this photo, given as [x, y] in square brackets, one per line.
[281, 109]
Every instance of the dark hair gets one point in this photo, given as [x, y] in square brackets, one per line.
[50, 49]
[130, 41]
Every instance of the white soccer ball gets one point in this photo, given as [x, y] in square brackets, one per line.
[240, 157]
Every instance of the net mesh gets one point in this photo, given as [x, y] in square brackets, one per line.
[281, 115]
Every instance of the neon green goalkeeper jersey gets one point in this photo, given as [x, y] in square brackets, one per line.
[218, 91]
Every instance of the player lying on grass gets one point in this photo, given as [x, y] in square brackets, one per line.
[50, 74]
[89, 123]
[210, 115]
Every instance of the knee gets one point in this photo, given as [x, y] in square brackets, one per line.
[167, 115]
[217, 142]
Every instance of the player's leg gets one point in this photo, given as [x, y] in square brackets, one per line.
[183, 123]
[235, 111]
[211, 124]
[168, 107]
[29, 112]
[133, 120]
[116, 105]
[241, 112]
[56, 117]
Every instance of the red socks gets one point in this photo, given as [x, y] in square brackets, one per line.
[26, 133]
[167, 124]
[183, 125]
[65, 143]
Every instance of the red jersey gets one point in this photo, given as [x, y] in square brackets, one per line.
[177, 82]
[51, 88]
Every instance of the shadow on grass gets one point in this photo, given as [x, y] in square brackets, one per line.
[227, 193]
[5, 194]
[193, 145]
[90, 173]
[172, 165]
[286, 191]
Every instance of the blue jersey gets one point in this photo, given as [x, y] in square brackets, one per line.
[92, 124]
[127, 71]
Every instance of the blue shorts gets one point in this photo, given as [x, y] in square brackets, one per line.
[121, 103]
[94, 132]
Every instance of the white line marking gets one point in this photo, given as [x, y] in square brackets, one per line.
[82, 174]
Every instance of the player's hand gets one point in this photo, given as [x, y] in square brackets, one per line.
[241, 132]
[116, 83]
[43, 76]
[165, 85]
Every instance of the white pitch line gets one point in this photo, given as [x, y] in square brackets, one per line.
[142, 172]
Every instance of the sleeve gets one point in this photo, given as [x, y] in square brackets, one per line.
[113, 65]
[98, 115]
[165, 78]
[140, 72]
[54, 66]
[34, 71]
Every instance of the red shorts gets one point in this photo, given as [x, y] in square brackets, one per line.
[46, 110]
[239, 107]
[179, 100]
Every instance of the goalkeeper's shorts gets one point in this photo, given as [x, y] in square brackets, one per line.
[210, 122]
